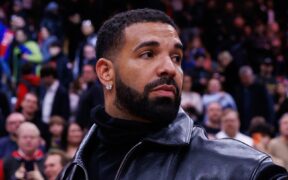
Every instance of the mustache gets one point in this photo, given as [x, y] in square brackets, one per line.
[165, 80]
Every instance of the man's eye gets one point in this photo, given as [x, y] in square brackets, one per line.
[176, 58]
[147, 55]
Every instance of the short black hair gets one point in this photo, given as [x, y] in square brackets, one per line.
[48, 70]
[111, 34]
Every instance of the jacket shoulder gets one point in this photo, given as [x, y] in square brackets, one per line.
[233, 157]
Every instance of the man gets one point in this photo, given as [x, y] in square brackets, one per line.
[90, 97]
[212, 123]
[30, 109]
[54, 163]
[8, 143]
[141, 133]
[27, 161]
[56, 98]
[252, 98]
[278, 146]
[61, 63]
[230, 126]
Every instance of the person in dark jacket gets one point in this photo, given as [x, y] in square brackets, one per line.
[141, 133]
[56, 98]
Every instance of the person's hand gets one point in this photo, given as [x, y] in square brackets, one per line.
[35, 174]
[20, 172]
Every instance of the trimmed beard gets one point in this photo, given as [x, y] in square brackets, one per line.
[160, 111]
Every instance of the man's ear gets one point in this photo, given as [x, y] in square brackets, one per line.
[105, 71]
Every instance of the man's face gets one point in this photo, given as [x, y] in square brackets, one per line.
[89, 52]
[148, 72]
[13, 122]
[28, 141]
[88, 74]
[29, 104]
[52, 166]
[230, 124]
[284, 126]
[214, 112]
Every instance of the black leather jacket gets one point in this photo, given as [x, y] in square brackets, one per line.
[182, 151]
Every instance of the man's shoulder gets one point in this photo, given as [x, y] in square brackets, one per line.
[231, 148]
[228, 158]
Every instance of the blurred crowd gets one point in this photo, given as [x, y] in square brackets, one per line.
[235, 75]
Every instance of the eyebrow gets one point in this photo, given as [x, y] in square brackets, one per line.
[145, 44]
[155, 44]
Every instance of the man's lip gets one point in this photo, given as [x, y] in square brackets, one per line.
[165, 87]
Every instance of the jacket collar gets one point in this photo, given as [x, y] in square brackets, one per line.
[177, 133]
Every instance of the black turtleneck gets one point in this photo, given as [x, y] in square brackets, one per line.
[115, 137]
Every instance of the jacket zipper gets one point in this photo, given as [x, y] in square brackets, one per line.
[125, 159]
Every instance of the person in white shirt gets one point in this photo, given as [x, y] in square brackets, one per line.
[230, 125]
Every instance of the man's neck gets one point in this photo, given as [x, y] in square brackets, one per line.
[28, 116]
[212, 125]
[113, 111]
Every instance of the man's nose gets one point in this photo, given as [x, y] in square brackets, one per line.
[166, 67]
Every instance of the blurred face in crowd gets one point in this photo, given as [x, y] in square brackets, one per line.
[56, 129]
[28, 138]
[89, 52]
[266, 68]
[187, 83]
[214, 112]
[284, 126]
[88, 74]
[148, 76]
[17, 22]
[29, 104]
[13, 122]
[44, 32]
[230, 123]
[247, 78]
[47, 80]
[54, 50]
[87, 27]
[75, 134]
[281, 89]
[214, 86]
[20, 36]
[52, 166]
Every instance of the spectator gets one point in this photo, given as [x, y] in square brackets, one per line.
[229, 70]
[60, 62]
[56, 128]
[191, 102]
[29, 82]
[26, 51]
[89, 57]
[54, 163]
[30, 109]
[266, 76]
[230, 126]
[8, 143]
[280, 101]
[91, 97]
[28, 160]
[46, 39]
[56, 98]
[212, 123]
[71, 139]
[278, 146]
[215, 93]
[252, 99]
